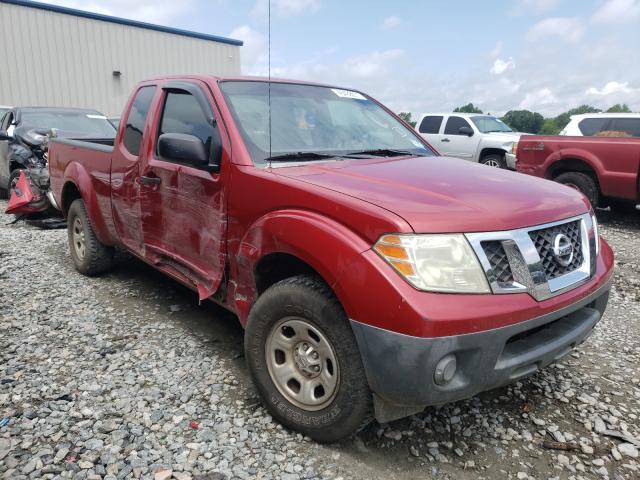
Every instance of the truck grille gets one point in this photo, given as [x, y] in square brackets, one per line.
[543, 240]
[543, 261]
[498, 260]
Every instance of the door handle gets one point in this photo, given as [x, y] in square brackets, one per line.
[445, 140]
[150, 180]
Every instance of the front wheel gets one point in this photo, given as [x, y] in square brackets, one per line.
[304, 360]
[494, 160]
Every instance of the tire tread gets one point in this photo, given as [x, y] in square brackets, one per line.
[98, 257]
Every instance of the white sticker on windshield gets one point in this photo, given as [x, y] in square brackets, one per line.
[348, 94]
[416, 143]
[99, 117]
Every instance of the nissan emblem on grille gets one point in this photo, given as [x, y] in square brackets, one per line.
[562, 250]
[542, 260]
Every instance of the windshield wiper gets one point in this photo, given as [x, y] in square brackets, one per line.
[383, 152]
[299, 156]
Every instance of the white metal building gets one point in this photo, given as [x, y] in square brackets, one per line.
[56, 56]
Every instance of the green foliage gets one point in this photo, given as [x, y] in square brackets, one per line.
[618, 108]
[406, 116]
[524, 121]
[468, 108]
[562, 119]
[549, 127]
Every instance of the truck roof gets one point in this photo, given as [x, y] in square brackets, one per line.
[458, 114]
[579, 116]
[244, 78]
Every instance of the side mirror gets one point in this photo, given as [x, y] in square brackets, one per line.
[468, 131]
[4, 135]
[189, 149]
[182, 148]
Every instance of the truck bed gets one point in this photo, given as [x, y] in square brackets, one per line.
[613, 161]
[91, 159]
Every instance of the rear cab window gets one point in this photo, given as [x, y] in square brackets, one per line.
[137, 118]
[430, 124]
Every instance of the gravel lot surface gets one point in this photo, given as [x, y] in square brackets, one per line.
[125, 376]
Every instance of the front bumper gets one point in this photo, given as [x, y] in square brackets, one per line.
[401, 368]
[511, 161]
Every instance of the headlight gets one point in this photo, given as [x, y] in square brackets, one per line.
[514, 148]
[596, 232]
[436, 263]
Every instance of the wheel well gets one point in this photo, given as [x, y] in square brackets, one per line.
[69, 193]
[278, 266]
[491, 151]
[571, 165]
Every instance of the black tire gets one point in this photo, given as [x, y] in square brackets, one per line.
[494, 160]
[583, 183]
[97, 257]
[308, 298]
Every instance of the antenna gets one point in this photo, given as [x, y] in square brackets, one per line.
[269, 81]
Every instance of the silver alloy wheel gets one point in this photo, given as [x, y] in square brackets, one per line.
[492, 163]
[78, 238]
[302, 363]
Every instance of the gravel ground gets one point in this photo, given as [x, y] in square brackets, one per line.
[125, 376]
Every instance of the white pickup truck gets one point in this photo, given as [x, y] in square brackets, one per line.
[471, 136]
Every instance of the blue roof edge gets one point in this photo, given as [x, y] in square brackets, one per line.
[123, 21]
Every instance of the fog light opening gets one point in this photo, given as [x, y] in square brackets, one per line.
[445, 370]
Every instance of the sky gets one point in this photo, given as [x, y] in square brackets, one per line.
[428, 56]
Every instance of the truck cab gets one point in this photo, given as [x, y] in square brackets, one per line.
[475, 137]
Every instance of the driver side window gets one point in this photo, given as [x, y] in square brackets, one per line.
[454, 124]
[182, 114]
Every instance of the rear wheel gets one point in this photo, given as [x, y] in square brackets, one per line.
[494, 160]
[305, 362]
[90, 256]
[583, 183]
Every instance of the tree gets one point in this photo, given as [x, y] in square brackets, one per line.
[524, 121]
[617, 108]
[468, 108]
[562, 119]
[549, 127]
[406, 116]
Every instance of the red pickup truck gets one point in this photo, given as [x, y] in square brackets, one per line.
[371, 276]
[605, 169]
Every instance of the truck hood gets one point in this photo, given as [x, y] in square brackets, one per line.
[504, 136]
[445, 195]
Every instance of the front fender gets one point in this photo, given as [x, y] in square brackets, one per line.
[77, 175]
[329, 247]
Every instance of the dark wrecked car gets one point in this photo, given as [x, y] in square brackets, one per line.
[24, 136]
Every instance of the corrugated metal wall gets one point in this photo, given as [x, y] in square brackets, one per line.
[54, 59]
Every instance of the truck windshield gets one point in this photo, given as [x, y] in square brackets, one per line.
[313, 123]
[79, 122]
[490, 124]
